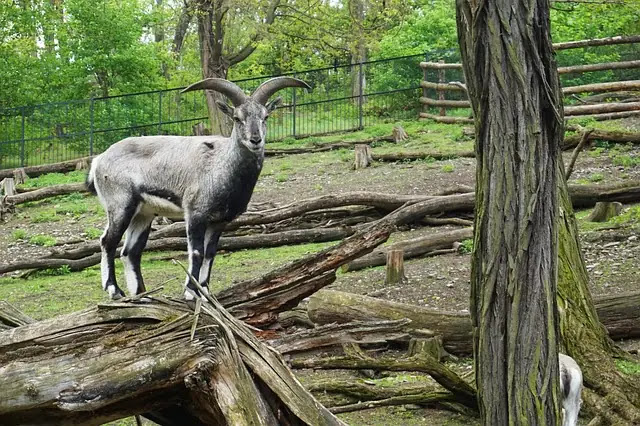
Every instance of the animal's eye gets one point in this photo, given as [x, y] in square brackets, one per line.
[237, 120]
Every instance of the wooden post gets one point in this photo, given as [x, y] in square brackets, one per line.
[395, 267]
[425, 93]
[441, 80]
[363, 156]
[19, 176]
[8, 187]
[82, 164]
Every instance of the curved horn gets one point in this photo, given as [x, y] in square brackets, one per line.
[269, 87]
[227, 88]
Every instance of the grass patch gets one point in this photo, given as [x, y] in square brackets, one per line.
[43, 240]
[448, 168]
[93, 233]
[55, 179]
[19, 234]
[596, 177]
[466, 246]
[45, 216]
[282, 177]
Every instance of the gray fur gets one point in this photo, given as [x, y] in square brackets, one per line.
[208, 180]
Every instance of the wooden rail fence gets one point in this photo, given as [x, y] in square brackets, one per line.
[599, 111]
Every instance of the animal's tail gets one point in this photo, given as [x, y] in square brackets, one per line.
[91, 177]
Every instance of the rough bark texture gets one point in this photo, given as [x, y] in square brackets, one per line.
[514, 89]
[120, 359]
[395, 267]
[362, 156]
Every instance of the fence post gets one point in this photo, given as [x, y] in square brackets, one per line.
[160, 112]
[441, 80]
[360, 96]
[23, 139]
[91, 124]
[425, 93]
[293, 109]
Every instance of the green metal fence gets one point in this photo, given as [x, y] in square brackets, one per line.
[49, 133]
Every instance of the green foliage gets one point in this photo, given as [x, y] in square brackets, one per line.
[448, 168]
[53, 272]
[466, 246]
[625, 160]
[282, 177]
[19, 234]
[630, 368]
[43, 240]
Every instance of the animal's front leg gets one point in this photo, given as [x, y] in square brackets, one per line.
[196, 230]
[212, 236]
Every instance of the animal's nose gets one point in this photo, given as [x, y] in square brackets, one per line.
[255, 140]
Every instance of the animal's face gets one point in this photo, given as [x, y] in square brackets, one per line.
[250, 122]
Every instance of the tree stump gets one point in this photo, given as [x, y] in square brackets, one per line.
[399, 134]
[395, 267]
[8, 187]
[20, 176]
[83, 164]
[603, 211]
[363, 156]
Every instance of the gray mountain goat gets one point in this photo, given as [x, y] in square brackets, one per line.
[570, 389]
[208, 180]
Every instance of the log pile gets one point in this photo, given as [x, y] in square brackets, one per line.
[330, 218]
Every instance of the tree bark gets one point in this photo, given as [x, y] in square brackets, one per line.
[618, 313]
[514, 89]
[395, 267]
[597, 134]
[362, 156]
[603, 108]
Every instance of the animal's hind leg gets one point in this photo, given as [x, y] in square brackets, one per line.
[131, 255]
[118, 221]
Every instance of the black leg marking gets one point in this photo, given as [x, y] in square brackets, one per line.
[196, 229]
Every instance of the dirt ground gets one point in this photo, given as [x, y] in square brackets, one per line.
[440, 282]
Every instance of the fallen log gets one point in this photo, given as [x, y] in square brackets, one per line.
[47, 192]
[412, 248]
[412, 156]
[422, 398]
[603, 108]
[33, 171]
[258, 301]
[358, 332]
[618, 313]
[605, 135]
[446, 119]
[86, 255]
[122, 359]
[461, 390]
[597, 42]
[608, 116]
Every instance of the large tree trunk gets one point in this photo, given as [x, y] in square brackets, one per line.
[515, 93]
[584, 337]
[210, 15]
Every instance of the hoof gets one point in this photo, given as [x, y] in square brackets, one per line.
[114, 292]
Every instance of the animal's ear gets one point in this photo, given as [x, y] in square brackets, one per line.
[225, 108]
[271, 106]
